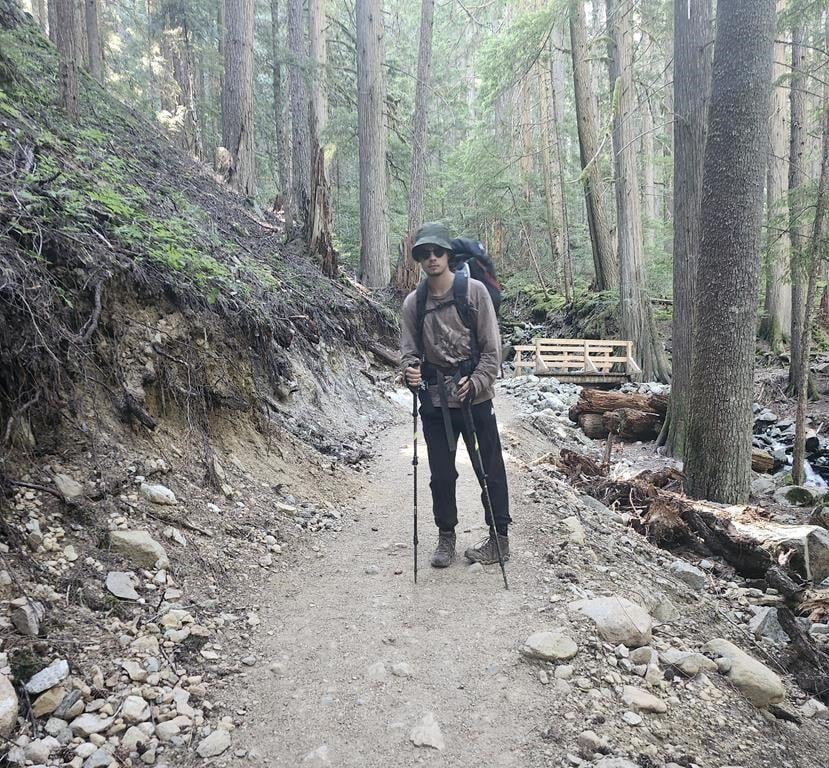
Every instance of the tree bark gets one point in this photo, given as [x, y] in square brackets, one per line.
[93, 41]
[649, 199]
[605, 263]
[777, 307]
[371, 131]
[300, 115]
[630, 424]
[557, 98]
[282, 116]
[81, 46]
[692, 85]
[237, 94]
[635, 307]
[718, 457]
[551, 193]
[817, 249]
[320, 243]
[797, 177]
[178, 50]
[600, 401]
[407, 273]
[65, 29]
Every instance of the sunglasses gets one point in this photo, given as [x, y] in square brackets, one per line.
[424, 253]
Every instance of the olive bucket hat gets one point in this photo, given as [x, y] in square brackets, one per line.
[432, 233]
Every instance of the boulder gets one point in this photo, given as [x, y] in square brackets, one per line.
[811, 542]
[549, 646]
[617, 619]
[766, 624]
[690, 574]
[140, 548]
[49, 677]
[8, 706]
[757, 682]
[88, 723]
[157, 493]
[796, 496]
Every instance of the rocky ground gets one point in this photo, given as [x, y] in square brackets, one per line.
[157, 621]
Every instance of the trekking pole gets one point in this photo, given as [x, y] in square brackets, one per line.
[414, 466]
[470, 425]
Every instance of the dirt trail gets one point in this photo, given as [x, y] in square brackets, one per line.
[457, 630]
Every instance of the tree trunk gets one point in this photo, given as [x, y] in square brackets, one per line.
[51, 14]
[81, 47]
[630, 424]
[282, 116]
[93, 41]
[300, 116]
[527, 139]
[593, 426]
[605, 262]
[65, 28]
[42, 16]
[797, 177]
[718, 449]
[777, 309]
[817, 248]
[319, 57]
[320, 244]
[178, 50]
[648, 178]
[692, 85]
[237, 94]
[408, 271]
[600, 401]
[552, 203]
[635, 307]
[557, 97]
[371, 131]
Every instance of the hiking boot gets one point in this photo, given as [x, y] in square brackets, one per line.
[486, 552]
[445, 551]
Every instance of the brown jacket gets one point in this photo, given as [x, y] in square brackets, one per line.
[447, 341]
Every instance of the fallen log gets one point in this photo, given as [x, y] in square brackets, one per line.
[592, 424]
[761, 461]
[631, 424]
[600, 401]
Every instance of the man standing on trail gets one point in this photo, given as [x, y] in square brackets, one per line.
[451, 354]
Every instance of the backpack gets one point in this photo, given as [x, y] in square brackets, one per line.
[471, 254]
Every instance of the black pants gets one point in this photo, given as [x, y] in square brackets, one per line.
[442, 464]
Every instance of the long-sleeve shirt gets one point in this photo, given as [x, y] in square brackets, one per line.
[447, 342]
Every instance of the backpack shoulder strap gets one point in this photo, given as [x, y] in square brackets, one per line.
[460, 295]
[420, 312]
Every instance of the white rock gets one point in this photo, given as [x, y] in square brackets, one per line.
[122, 585]
[816, 709]
[758, 683]
[9, 706]
[618, 620]
[549, 646]
[133, 737]
[616, 762]
[428, 733]
[166, 731]
[642, 701]
[318, 758]
[688, 663]
[577, 535]
[140, 548]
[68, 487]
[766, 624]
[157, 494]
[631, 718]
[38, 751]
[89, 723]
[214, 744]
[377, 672]
[99, 759]
[47, 678]
[401, 669]
[135, 710]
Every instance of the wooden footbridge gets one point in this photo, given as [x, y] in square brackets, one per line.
[580, 361]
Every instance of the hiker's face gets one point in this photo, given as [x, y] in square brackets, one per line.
[433, 260]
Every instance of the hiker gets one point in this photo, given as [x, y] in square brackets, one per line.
[450, 353]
